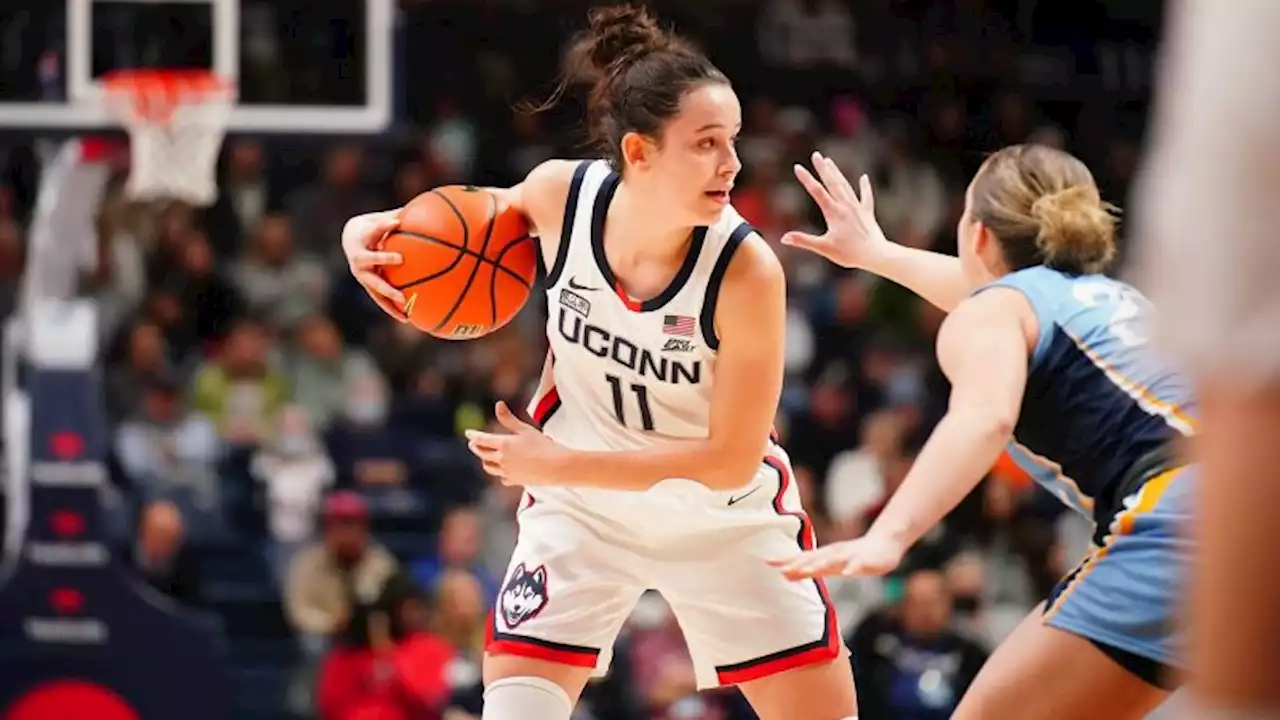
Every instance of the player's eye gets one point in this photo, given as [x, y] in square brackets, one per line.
[706, 143]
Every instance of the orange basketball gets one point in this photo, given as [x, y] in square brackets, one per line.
[468, 269]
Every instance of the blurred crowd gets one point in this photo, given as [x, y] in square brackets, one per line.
[288, 458]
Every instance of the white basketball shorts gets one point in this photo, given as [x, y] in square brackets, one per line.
[584, 557]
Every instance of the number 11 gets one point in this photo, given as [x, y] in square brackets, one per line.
[642, 399]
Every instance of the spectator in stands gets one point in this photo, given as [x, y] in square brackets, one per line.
[826, 427]
[909, 663]
[328, 580]
[912, 206]
[210, 301]
[459, 617]
[331, 585]
[855, 481]
[12, 254]
[145, 357]
[396, 670]
[239, 390]
[412, 179]
[321, 370]
[295, 472]
[319, 210]
[458, 548]
[244, 196]
[165, 445]
[159, 556]
[279, 284]
[162, 305]
[364, 447]
[164, 255]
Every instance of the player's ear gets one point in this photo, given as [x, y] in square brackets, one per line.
[982, 238]
[637, 150]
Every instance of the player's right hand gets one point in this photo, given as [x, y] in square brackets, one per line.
[360, 237]
[853, 236]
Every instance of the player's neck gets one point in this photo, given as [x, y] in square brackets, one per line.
[635, 232]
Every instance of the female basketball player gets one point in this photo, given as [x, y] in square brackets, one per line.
[651, 464]
[1047, 356]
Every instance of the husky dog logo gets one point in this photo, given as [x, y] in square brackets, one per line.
[524, 595]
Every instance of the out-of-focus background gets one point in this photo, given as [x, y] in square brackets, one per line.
[287, 507]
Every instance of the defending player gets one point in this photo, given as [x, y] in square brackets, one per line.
[653, 466]
[1049, 357]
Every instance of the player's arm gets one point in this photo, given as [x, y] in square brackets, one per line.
[750, 323]
[933, 276]
[984, 348]
[540, 197]
[854, 238]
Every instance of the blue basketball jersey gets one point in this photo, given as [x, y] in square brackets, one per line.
[1097, 399]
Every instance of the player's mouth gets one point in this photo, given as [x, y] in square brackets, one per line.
[720, 196]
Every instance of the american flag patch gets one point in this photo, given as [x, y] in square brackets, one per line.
[677, 325]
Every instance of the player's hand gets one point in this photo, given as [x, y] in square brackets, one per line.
[868, 555]
[853, 236]
[523, 457]
[360, 237]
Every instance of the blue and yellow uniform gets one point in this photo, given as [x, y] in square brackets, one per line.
[1098, 427]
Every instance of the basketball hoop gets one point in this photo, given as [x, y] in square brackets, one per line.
[176, 121]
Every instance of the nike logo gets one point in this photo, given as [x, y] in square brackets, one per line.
[739, 498]
[573, 284]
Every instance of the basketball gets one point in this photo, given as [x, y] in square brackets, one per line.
[468, 268]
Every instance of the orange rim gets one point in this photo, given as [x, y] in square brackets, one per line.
[153, 95]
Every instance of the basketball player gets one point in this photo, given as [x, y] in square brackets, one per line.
[650, 463]
[1210, 255]
[1047, 357]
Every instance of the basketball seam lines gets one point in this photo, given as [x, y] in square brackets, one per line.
[462, 251]
[437, 273]
[493, 281]
[488, 234]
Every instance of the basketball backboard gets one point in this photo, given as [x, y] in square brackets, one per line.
[301, 66]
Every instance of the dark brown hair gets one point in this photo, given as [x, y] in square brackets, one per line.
[1044, 208]
[637, 73]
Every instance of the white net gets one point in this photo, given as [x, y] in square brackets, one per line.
[176, 123]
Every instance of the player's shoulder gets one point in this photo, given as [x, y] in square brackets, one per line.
[548, 183]
[751, 261]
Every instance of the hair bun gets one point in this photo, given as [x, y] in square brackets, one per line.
[1076, 229]
[619, 35]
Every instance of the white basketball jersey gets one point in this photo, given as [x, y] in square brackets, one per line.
[622, 374]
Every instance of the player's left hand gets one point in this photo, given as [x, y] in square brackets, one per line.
[870, 554]
[524, 457]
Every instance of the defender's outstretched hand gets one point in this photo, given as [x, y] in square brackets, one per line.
[852, 235]
[867, 555]
[360, 237]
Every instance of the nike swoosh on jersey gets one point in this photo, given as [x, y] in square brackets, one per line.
[574, 285]
[739, 498]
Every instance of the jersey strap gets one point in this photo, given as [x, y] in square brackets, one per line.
[707, 320]
[566, 225]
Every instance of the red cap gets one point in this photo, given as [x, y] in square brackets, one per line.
[345, 505]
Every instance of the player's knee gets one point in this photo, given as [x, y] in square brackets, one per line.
[526, 698]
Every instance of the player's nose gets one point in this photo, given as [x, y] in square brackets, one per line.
[731, 165]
